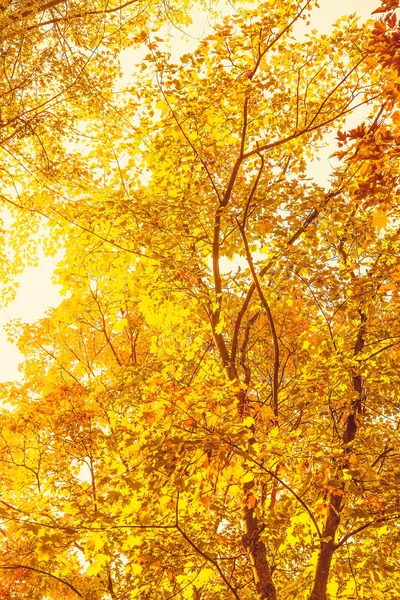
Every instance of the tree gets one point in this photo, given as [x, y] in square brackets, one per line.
[212, 412]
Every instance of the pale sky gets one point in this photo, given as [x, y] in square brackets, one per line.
[37, 293]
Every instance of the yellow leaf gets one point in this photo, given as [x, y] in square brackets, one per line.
[302, 518]
[119, 325]
[133, 541]
[161, 105]
[98, 563]
[346, 475]
[332, 587]
[136, 569]
[95, 541]
[237, 471]
[133, 507]
[219, 328]
[379, 220]
[350, 587]
[44, 551]
[205, 575]
[233, 490]
[267, 412]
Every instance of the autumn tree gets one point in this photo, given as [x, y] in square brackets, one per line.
[212, 412]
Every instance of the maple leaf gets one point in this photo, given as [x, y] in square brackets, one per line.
[380, 219]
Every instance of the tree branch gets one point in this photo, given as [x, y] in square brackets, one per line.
[203, 554]
[81, 15]
[12, 567]
[362, 527]
[275, 379]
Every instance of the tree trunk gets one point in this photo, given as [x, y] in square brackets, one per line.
[251, 540]
[332, 520]
[257, 552]
[327, 548]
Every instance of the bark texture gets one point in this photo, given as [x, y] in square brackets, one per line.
[257, 552]
[335, 498]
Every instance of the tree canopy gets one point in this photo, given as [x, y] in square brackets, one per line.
[212, 412]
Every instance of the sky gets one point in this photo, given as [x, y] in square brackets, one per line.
[37, 293]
